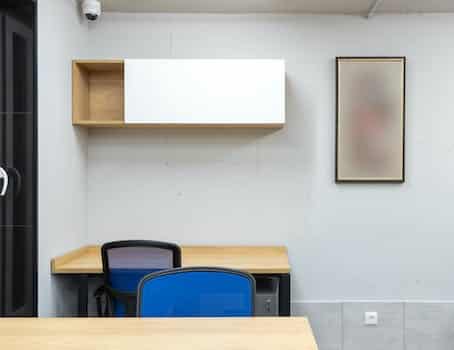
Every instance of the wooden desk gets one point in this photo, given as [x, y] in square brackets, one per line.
[157, 333]
[258, 260]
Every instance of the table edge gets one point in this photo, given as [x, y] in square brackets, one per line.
[58, 262]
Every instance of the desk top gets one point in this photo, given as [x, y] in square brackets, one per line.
[252, 259]
[261, 333]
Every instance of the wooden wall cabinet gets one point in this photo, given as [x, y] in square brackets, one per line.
[98, 93]
[179, 92]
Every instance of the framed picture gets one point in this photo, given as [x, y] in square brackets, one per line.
[370, 119]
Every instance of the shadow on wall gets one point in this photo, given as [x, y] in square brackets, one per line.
[211, 144]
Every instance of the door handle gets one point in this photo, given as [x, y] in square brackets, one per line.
[4, 176]
[17, 180]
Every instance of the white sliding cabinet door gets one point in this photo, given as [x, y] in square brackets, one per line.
[205, 91]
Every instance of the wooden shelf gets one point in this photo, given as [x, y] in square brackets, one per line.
[99, 100]
[100, 123]
[98, 93]
[122, 124]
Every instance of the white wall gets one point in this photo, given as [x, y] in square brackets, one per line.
[205, 186]
[62, 148]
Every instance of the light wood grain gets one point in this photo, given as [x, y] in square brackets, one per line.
[86, 260]
[99, 123]
[98, 92]
[285, 333]
[101, 65]
[68, 258]
[80, 93]
[106, 96]
[247, 258]
[252, 259]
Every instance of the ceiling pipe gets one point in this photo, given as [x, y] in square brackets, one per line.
[373, 8]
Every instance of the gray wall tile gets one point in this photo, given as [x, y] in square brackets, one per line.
[326, 322]
[429, 326]
[388, 334]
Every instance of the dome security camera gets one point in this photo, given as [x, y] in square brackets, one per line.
[91, 9]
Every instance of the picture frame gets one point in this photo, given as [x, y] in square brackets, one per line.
[370, 119]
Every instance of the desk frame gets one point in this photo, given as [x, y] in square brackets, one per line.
[259, 261]
[84, 281]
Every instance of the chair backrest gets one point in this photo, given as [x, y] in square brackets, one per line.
[125, 263]
[196, 292]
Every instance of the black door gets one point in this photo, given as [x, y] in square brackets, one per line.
[18, 240]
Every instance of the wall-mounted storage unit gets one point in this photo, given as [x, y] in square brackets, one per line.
[98, 93]
[179, 92]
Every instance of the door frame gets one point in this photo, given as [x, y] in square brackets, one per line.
[11, 26]
[34, 156]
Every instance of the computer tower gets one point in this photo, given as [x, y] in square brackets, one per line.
[267, 296]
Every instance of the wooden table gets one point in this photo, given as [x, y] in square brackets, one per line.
[260, 333]
[257, 260]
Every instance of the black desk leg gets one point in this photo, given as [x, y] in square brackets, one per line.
[83, 296]
[284, 295]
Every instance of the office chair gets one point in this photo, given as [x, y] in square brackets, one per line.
[196, 292]
[125, 263]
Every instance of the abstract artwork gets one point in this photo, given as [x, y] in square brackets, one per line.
[370, 120]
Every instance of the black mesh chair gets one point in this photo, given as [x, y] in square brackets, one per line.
[125, 263]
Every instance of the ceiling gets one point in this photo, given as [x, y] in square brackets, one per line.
[358, 7]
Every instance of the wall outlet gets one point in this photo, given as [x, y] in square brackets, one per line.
[370, 318]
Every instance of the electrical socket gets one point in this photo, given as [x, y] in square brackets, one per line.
[370, 318]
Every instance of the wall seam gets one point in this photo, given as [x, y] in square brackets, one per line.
[342, 325]
[404, 326]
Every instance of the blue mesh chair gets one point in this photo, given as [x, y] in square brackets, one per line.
[125, 263]
[196, 292]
